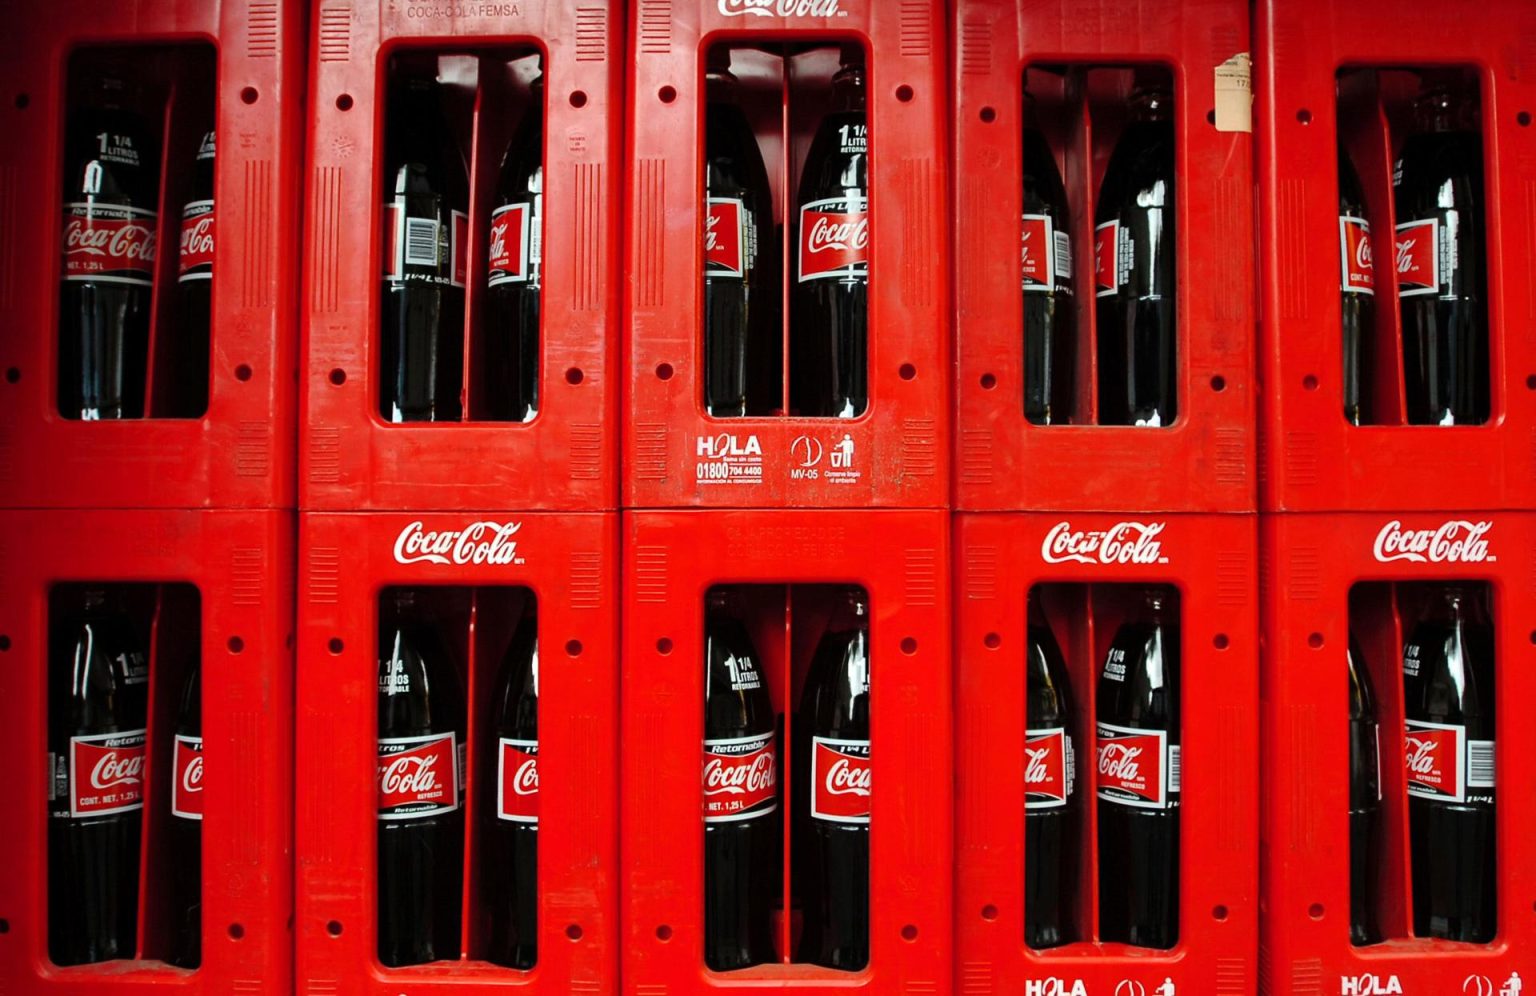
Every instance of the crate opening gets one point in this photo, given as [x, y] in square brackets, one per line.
[137, 236]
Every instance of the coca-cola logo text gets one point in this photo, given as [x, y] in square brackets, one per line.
[840, 780]
[781, 8]
[737, 779]
[409, 773]
[518, 781]
[1122, 543]
[844, 778]
[192, 777]
[197, 237]
[482, 542]
[113, 768]
[1421, 756]
[1456, 541]
[526, 779]
[839, 232]
[1119, 762]
[129, 244]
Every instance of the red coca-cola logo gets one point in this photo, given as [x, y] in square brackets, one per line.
[740, 778]
[1122, 543]
[517, 793]
[418, 776]
[187, 778]
[1418, 257]
[834, 238]
[508, 257]
[840, 780]
[723, 249]
[1047, 769]
[1037, 249]
[106, 773]
[197, 240]
[780, 8]
[1132, 766]
[1434, 760]
[483, 542]
[1359, 274]
[1455, 541]
[102, 241]
[1106, 241]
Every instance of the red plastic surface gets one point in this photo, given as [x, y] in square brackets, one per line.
[241, 564]
[569, 562]
[1315, 461]
[899, 441]
[350, 459]
[1210, 560]
[1002, 462]
[1312, 563]
[240, 454]
[901, 559]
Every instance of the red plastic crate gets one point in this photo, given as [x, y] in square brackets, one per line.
[1003, 462]
[241, 564]
[350, 458]
[1210, 561]
[898, 449]
[1314, 460]
[671, 560]
[569, 563]
[240, 453]
[1313, 563]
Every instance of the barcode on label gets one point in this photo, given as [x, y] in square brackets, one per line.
[1175, 766]
[421, 241]
[1063, 255]
[1480, 764]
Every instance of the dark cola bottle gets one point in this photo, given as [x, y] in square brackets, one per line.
[186, 825]
[1135, 276]
[426, 203]
[1139, 779]
[98, 702]
[742, 829]
[111, 180]
[1050, 320]
[829, 327]
[1357, 292]
[1050, 801]
[741, 289]
[421, 778]
[834, 800]
[1448, 701]
[194, 285]
[1364, 802]
[516, 277]
[1441, 263]
[512, 831]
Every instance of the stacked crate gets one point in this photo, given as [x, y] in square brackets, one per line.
[1082, 514]
[186, 514]
[479, 516]
[1362, 522]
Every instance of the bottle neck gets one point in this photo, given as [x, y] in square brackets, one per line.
[1151, 106]
[848, 89]
[1436, 112]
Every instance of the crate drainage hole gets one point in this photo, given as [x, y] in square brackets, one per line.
[908, 646]
[663, 646]
[909, 933]
[573, 648]
[1309, 382]
[574, 376]
[5, 642]
[578, 98]
[573, 932]
[1315, 911]
[1304, 116]
[988, 382]
[1315, 640]
[1218, 383]
[22, 100]
[235, 645]
[664, 933]
[664, 371]
[1523, 119]
[243, 372]
[5, 926]
[12, 375]
[1219, 913]
[249, 95]
[236, 931]
[1530, 380]
[338, 376]
[988, 115]
[904, 93]
[335, 645]
[992, 641]
[667, 94]
[1220, 641]
[989, 912]
[333, 928]
[344, 102]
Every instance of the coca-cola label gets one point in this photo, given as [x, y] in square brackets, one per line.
[725, 237]
[782, 8]
[1106, 270]
[109, 243]
[483, 542]
[1357, 274]
[517, 781]
[740, 778]
[106, 773]
[187, 778]
[1122, 543]
[1038, 254]
[834, 238]
[1455, 541]
[1443, 763]
[511, 238]
[418, 249]
[418, 776]
[1048, 768]
[1137, 767]
[196, 260]
[840, 780]
[1418, 257]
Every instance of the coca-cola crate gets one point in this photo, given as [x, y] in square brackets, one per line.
[1081, 71]
[1368, 576]
[892, 450]
[1347, 80]
[225, 442]
[350, 456]
[210, 589]
[787, 566]
[1085, 569]
[474, 574]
